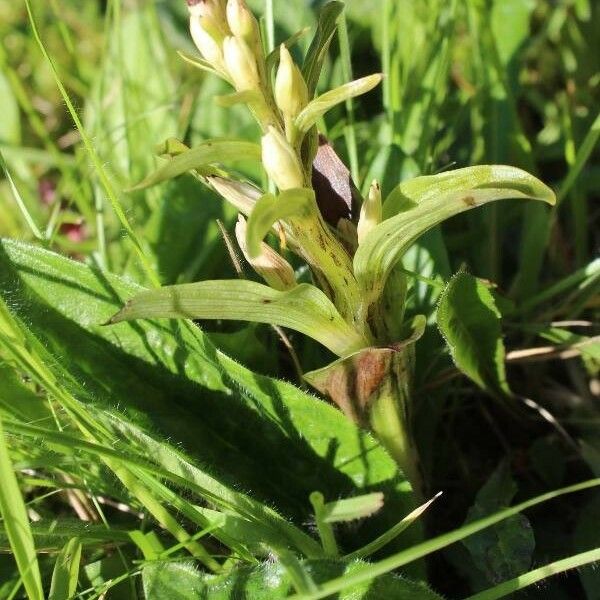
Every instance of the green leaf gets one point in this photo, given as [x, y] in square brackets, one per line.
[168, 379]
[504, 550]
[269, 209]
[270, 581]
[319, 106]
[315, 57]
[16, 524]
[205, 154]
[199, 63]
[350, 509]
[66, 571]
[417, 205]
[18, 400]
[469, 320]
[304, 308]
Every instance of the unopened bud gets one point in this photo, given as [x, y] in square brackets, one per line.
[370, 211]
[241, 21]
[280, 161]
[207, 45]
[240, 63]
[238, 193]
[270, 265]
[213, 9]
[291, 93]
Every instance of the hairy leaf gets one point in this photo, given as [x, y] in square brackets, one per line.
[172, 382]
[270, 581]
[469, 320]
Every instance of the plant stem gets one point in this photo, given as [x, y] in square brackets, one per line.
[389, 424]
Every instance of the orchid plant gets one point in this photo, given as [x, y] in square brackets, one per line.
[353, 246]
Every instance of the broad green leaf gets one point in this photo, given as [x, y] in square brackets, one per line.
[205, 154]
[170, 380]
[304, 308]
[504, 550]
[66, 571]
[16, 524]
[326, 26]
[269, 209]
[270, 581]
[417, 205]
[469, 320]
[319, 106]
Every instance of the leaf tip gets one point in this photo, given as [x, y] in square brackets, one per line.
[117, 317]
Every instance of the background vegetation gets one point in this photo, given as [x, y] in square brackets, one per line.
[467, 82]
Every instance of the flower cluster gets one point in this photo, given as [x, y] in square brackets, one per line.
[228, 36]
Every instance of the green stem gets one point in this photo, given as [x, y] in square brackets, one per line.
[325, 528]
[389, 424]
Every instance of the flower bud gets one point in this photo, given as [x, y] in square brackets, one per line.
[280, 161]
[207, 45]
[241, 64]
[238, 193]
[370, 211]
[270, 265]
[212, 9]
[291, 93]
[241, 21]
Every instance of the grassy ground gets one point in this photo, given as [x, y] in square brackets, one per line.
[157, 457]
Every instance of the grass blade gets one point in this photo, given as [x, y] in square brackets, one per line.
[66, 571]
[393, 532]
[16, 524]
[585, 150]
[17, 196]
[532, 577]
[101, 172]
